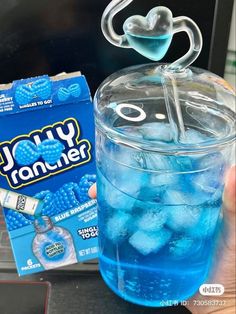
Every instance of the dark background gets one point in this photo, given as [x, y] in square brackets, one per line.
[51, 36]
[69, 293]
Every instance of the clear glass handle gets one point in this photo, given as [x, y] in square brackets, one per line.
[152, 34]
[111, 10]
[185, 24]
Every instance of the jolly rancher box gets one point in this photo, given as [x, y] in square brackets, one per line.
[47, 152]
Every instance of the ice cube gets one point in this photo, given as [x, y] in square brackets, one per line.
[152, 219]
[157, 131]
[117, 227]
[207, 223]
[131, 182]
[125, 171]
[164, 179]
[216, 198]
[194, 137]
[123, 155]
[211, 175]
[157, 185]
[213, 162]
[111, 196]
[185, 163]
[131, 130]
[181, 218]
[173, 197]
[207, 182]
[150, 194]
[181, 247]
[179, 197]
[149, 242]
[157, 162]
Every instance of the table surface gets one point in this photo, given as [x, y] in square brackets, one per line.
[74, 289]
[78, 292]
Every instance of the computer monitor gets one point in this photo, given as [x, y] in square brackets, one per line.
[38, 37]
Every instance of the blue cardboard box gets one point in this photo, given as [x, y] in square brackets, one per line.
[32, 112]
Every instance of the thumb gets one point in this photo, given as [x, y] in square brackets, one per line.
[93, 191]
[230, 200]
[230, 190]
[224, 272]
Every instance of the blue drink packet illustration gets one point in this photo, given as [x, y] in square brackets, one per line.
[47, 153]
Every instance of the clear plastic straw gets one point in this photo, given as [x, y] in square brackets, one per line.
[156, 30]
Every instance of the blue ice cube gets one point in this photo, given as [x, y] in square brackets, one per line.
[121, 155]
[113, 197]
[184, 163]
[164, 179]
[174, 197]
[210, 176]
[149, 242]
[124, 171]
[207, 223]
[119, 200]
[182, 247]
[207, 182]
[181, 218]
[152, 219]
[151, 194]
[157, 131]
[180, 197]
[194, 137]
[125, 156]
[212, 162]
[133, 131]
[216, 198]
[159, 183]
[157, 162]
[117, 227]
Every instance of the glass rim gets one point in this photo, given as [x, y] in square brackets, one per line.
[158, 147]
[160, 172]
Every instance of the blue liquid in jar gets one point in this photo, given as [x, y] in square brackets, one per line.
[157, 232]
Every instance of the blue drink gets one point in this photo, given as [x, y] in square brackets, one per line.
[151, 47]
[158, 220]
[160, 185]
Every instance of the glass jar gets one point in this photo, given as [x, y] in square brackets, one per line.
[164, 143]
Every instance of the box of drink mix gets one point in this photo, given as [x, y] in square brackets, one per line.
[47, 166]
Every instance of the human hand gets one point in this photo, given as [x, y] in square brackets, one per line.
[93, 191]
[224, 272]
